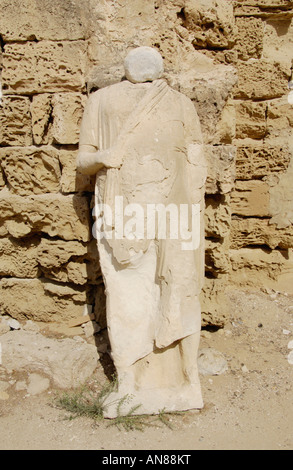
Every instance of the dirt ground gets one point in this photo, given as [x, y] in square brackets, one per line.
[249, 407]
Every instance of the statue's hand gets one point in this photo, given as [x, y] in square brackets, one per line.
[111, 158]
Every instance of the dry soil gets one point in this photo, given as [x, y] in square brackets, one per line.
[249, 407]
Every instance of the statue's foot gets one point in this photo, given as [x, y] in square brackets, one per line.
[153, 401]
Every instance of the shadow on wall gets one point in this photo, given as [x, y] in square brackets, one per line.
[96, 298]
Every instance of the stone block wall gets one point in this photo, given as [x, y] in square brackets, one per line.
[48, 263]
[232, 58]
[261, 202]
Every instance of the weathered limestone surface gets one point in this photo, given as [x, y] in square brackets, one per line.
[67, 114]
[45, 66]
[232, 58]
[262, 267]
[254, 231]
[71, 179]
[217, 256]
[60, 260]
[218, 216]
[250, 198]
[15, 123]
[69, 261]
[211, 23]
[254, 162]
[214, 302]
[281, 198]
[251, 119]
[56, 117]
[250, 36]
[31, 170]
[261, 79]
[40, 300]
[221, 168]
[214, 83]
[277, 41]
[18, 258]
[41, 115]
[2, 180]
[264, 8]
[279, 121]
[56, 215]
[66, 362]
[29, 20]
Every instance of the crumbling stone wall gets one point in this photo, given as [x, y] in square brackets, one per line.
[47, 261]
[262, 203]
[232, 58]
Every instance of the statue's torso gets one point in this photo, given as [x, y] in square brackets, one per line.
[155, 151]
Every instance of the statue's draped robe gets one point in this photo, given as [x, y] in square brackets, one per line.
[152, 286]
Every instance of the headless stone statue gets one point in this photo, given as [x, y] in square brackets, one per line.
[143, 141]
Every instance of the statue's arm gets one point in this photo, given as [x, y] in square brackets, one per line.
[90, 160]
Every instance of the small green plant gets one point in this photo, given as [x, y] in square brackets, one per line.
[91, 403]
[81, 403]
[86, 402]
[162, 416]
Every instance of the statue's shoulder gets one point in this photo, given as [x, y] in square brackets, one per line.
[94, 96]
[184, 98]
[187, 105]
[113, 88]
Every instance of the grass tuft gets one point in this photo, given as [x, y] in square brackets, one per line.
[91, 403]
